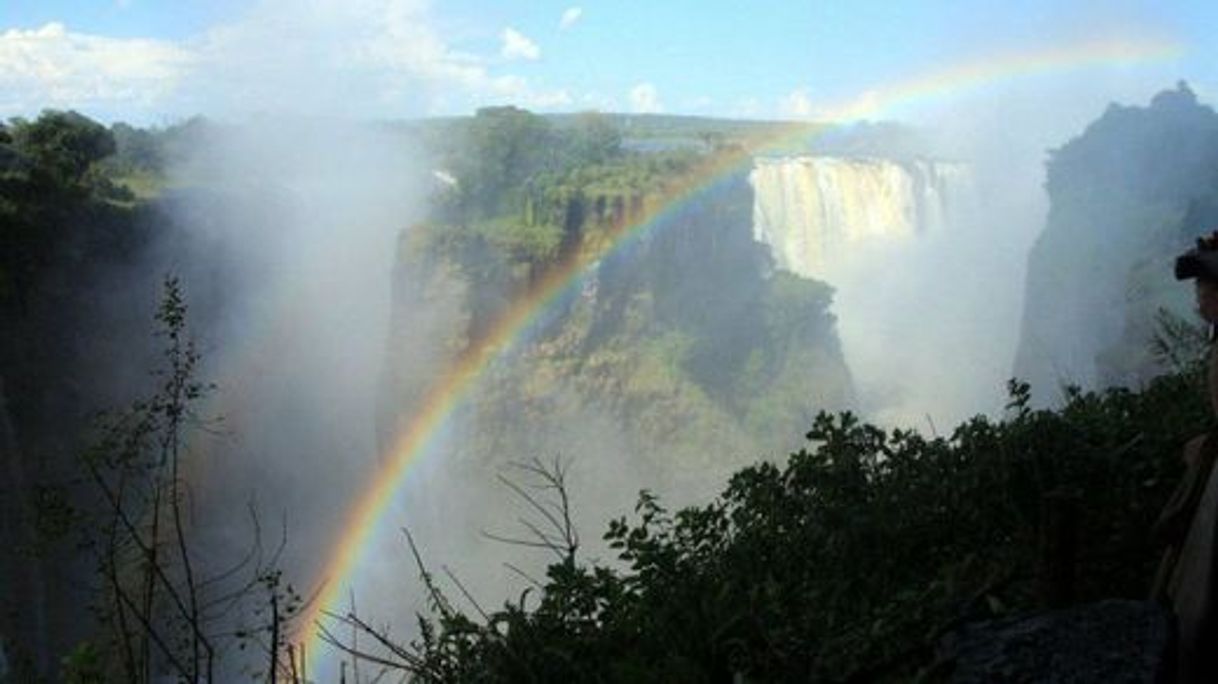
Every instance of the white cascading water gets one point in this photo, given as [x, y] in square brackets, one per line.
[922, 303]
[816, 212]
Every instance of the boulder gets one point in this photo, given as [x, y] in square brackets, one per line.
[1110, 641]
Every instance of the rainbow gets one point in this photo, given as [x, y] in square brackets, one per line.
[452, 388]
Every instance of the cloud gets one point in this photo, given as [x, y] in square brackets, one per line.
[51, 66]
[569, 17]
[358, 58]
[363, 57]
[516, 45]
[379, 57]
[645, 99]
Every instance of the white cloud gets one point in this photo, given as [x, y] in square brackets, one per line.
[362, 56]
[54, 67]
[381, 57]
[645, 99]
[516, 45]
[327, 57]
[569, 17]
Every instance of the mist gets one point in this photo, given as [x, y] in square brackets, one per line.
[298, 220]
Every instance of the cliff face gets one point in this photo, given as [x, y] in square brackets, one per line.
[681, 352]
[1126, 197]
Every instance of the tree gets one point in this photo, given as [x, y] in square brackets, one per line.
[62, 146]
[846, 563]
[165, 609]
[595, 139]
[505, 145]
[136, 149]
[50, 195]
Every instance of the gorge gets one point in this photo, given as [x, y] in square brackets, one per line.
[706, 326]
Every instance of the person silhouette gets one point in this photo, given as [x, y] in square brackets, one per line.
[1187, 581]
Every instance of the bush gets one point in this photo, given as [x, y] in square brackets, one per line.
[849, 561]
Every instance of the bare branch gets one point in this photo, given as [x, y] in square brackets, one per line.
[468, 597]
[528, 578]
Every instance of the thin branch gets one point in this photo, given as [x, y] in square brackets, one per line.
[152, 633]
[528, 578]
[531, 500]
[408, 660]
[518, 542]
[437, 598]
[465, 592]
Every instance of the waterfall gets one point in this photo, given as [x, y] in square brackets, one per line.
[814, 212]
[925, 343]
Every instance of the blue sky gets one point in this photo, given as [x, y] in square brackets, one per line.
[152, 61]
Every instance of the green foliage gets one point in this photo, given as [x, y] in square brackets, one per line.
[136, 149]
[84, 665]
[61, 146]
[53, 198]
[593, 139]
[62, 236]
[510, 164]
[520, 240]
[529, 193]
[1178, 343]
[683, 332]
[149, 607]
[166, 607]
[502, 146]
[849, 560]
[792, 306]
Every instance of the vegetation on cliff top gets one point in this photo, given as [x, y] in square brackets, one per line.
[686, 334]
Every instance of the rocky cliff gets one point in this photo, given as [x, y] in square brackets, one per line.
[683, 352]
[1125, 197]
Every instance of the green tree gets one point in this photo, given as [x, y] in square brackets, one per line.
[62, 146]
[504, 146]
[50, 195]
[594, 139]
[166, 608]
[846, 563]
